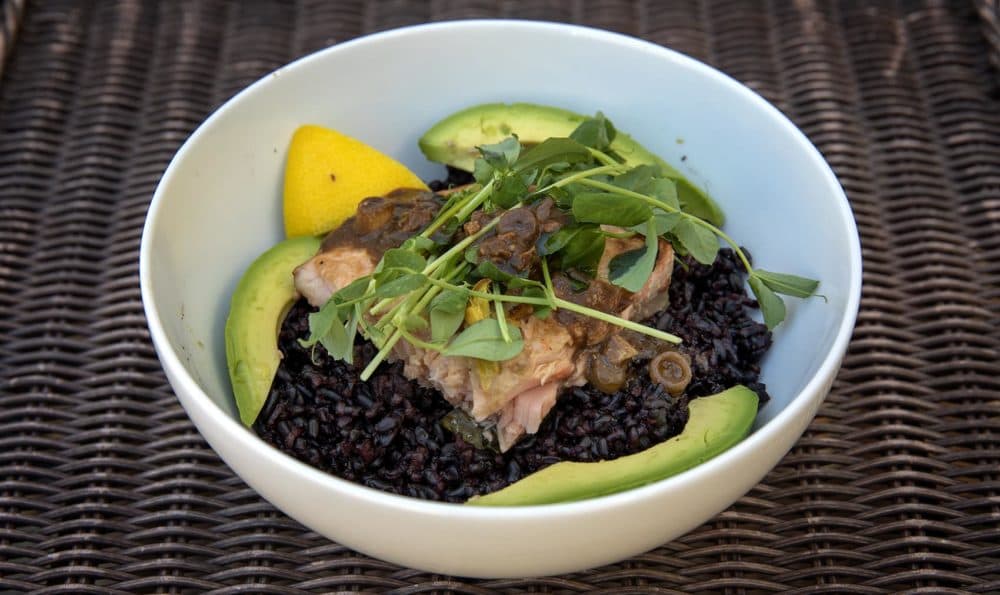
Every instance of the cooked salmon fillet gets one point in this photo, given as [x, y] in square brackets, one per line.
[515, 395]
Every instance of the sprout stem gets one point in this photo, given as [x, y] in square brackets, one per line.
[672, 209]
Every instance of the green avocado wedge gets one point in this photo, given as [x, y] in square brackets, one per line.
[454, 140]
[262, 298]
[715, 424]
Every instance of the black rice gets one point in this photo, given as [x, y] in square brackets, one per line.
[710, 310]
[386, 433]
[455, 177]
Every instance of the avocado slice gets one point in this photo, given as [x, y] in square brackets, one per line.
[454, 141]
[262, 298]
[715, 424]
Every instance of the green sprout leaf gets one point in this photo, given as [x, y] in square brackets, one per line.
[606, 208]
[484, 340]
[488, 270]
[327, 329]
[471, 254]
[399, 258]
[445, 233]
[645, 179]
[401, 285]
[698, 240]
[414, 322]
[583, 251]
[632, 269]
[482, 172]
[665, 191]
[352, 291]
[597, 132]
[538, 292]
[337, 343]
[662, 222]
[792, 285]
[502, 155]
[552, 151]
[694, 201]
[509, 190]
[447, 310]
[771, 306]
[418, 244]
[557, 241]
[320, 323]
[636, 179]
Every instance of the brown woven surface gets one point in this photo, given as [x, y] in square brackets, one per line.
[989, 12]
[11, 13]
[106, 486]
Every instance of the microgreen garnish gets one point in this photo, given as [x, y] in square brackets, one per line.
[631, 269]
[438, 294]
[484, 340]
[447, 311]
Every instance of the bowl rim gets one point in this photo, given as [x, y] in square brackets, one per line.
[810, 396]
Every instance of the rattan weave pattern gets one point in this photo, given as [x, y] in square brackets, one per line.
[11, 13]
[989, 12]
[105, 486]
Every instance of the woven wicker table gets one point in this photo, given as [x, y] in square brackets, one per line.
[105, 486]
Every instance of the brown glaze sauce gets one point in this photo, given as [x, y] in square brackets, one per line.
[384, 222]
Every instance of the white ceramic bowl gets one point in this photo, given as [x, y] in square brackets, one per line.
[218, 207]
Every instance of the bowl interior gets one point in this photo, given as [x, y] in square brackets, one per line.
[219, 203]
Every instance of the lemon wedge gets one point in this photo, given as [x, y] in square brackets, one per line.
[328, 173]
